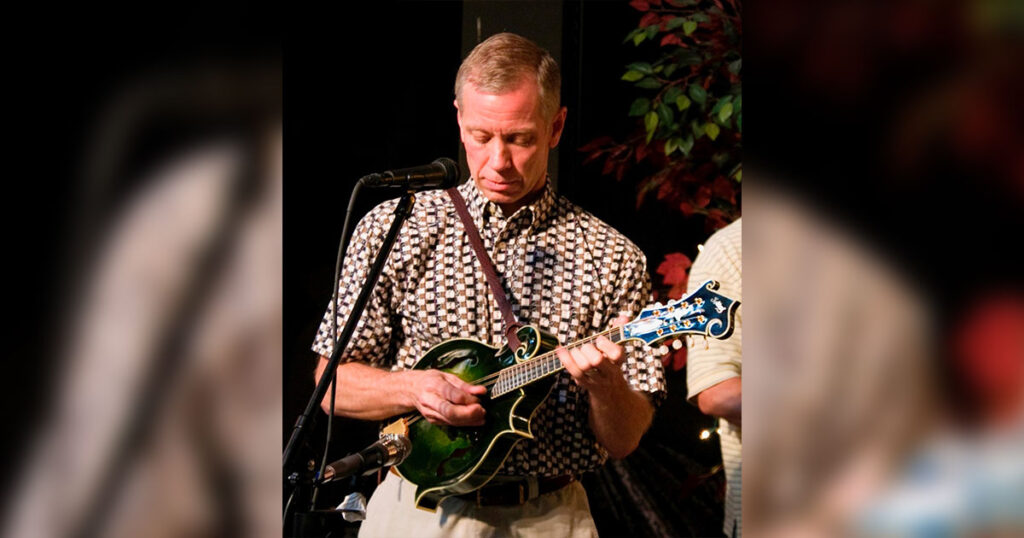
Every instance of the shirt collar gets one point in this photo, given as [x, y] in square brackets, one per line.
[483, 209]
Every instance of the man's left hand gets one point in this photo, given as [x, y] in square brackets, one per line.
[596, 366]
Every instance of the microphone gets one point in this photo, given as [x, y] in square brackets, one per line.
[391, 449]
[443, 173]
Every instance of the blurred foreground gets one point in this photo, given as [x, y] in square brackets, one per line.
[885, 351]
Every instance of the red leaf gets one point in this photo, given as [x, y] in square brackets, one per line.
[621, 170]
[673, 269]
[597, 143]
[640, 5]
[593, 156]
[675, 360]
[723, 188]
[677, 291]
[686, 208]
[706, 171]
[703, 196]
[671, 39]
[642, 151]
[648, 19]
[665, 190]
[608, 166]
[715, 220]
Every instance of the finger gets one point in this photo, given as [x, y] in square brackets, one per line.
[435, 409]
[592, 355]
[621, 320]
[458, 383]
[456, 390]
[466, 415]
[456, 395]
[613, 351]
[569, 363]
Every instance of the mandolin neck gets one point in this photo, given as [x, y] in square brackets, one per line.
[541, 366]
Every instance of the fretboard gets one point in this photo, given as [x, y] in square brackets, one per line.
[524, 373]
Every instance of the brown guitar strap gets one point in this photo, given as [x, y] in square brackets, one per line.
[511, 326]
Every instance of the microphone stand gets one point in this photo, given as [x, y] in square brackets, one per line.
[303, 478]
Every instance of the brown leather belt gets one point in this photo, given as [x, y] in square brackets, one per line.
[515, 491]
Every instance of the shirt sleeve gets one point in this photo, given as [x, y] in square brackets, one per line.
[371, 340]
[711, 361]
[632, 293]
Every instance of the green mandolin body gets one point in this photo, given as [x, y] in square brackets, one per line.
[450, 460]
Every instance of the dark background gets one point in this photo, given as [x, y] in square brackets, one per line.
[377, 97]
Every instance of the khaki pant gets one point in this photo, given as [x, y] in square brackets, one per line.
[390, 513]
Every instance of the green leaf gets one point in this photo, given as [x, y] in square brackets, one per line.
[675, 23]
[712, 130]
[682, 102]
[665, 115]
[671, 94]
[639, 38]
[649, 84]
[739, 123]
[672, 144]
[652, 31]
[721, 102]
[640, 107]
[701, 17]
[632, 76]
[698, 94]
[650, 123]
[658, 68]
[737, 106]
[696, 129]
[737, 172]
[642, 67]
[669, 69]
[688, 57]
[689, 27]
[632, 35]
[725, 112]
[734, 67]
[687, 144]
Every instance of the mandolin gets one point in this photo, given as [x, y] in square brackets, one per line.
[452, 460]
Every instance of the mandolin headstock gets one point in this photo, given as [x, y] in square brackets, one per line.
[702, 312]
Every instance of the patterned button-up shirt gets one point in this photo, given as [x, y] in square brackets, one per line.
[562, 269]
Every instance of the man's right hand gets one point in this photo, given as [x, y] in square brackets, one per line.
[443, 398]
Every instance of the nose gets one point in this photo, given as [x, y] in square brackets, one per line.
[501, 157]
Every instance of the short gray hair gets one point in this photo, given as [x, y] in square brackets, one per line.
[501, 62]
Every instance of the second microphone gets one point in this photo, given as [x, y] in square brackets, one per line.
[443, 173]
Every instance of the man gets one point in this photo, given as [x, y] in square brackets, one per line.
[563, 271]
[714, 367]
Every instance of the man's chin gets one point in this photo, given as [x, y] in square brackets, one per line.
[501, 192]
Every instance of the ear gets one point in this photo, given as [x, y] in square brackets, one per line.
[558, 125]
[458, 117]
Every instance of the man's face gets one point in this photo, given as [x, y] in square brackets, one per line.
[507, 140]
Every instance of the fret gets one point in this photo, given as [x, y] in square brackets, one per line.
[524, 373]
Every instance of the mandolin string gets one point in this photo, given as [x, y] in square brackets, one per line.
[491, 379]
[536, 360]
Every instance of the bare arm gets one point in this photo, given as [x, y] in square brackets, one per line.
[619, 415]
[723, 400]
[369, 393]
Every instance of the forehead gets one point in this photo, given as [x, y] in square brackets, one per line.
[520, 107]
